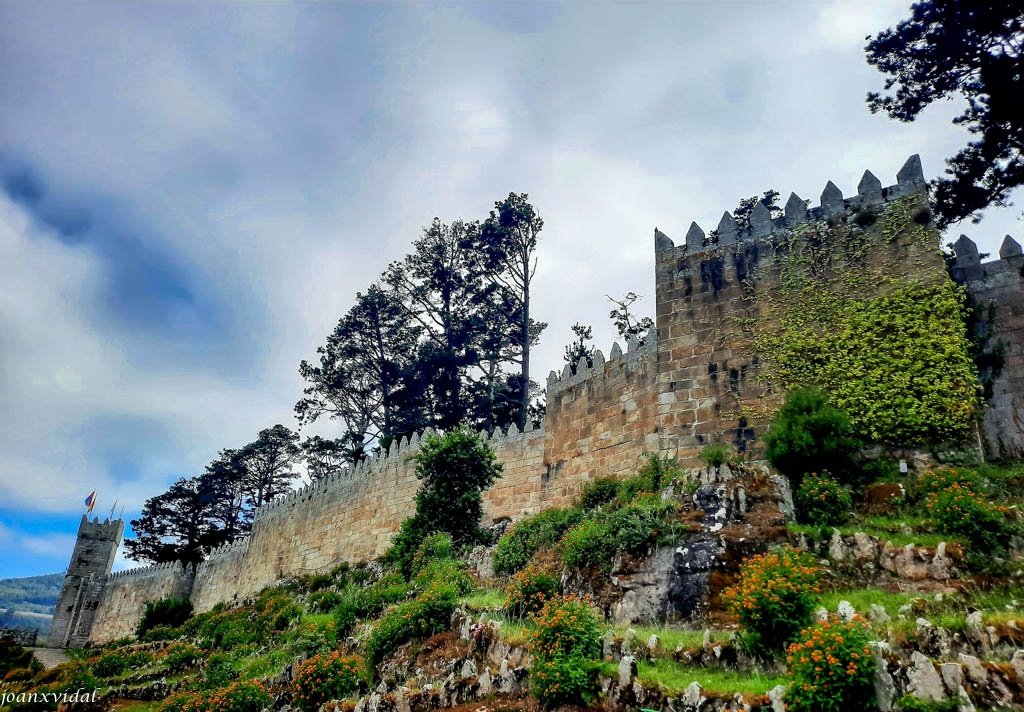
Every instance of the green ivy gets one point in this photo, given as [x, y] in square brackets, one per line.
[898, 360]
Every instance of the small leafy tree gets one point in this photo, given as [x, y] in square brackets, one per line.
[811, 435]
[170, 611]
[455, 468]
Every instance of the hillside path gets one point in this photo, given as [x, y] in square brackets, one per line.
[50, 657]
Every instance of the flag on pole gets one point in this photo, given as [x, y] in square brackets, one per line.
[90, 501]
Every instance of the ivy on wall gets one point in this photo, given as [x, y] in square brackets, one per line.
[865, 311]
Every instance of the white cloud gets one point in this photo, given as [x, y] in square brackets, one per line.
[52, 545]
[279, 156]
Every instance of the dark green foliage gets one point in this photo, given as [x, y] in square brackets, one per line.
[454, 468]
[579, 349]
[435, 547]
[449, 573]
[589, 544]
[323, 601]
[716, 454]
[811, 435]
[116, 663]
[599, 492]
[15, 657]
[880, 470]
[636, 526]
[428, 614]
[529, 535]
[218, 672]
[170, 612]
[821, 500]
[951, 48]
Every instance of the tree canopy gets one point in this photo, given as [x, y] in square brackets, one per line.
[971, 49]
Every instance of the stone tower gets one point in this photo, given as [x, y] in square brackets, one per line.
[91, 561]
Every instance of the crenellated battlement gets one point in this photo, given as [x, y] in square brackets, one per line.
[996, 288]
[696, 379]
[870, 195]
[635, 348]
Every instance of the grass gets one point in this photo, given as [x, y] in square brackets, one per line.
[319, 619]
[266, 665]
[484, 599]
[888, 529]
[863, 598]
[674, 678]
[515, 631]
[671, 638]
[137, 706]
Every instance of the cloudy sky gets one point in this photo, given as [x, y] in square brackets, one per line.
[190, 195]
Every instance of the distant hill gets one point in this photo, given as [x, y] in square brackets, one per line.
[28, 602]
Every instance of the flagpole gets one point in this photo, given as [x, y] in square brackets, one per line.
[113, 508]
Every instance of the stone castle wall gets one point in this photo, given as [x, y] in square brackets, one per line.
[693, 380]
[711, 299]
[997, 289]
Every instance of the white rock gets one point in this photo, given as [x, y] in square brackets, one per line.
[775, 697]
[845, 611]
[975, 670]
[693, 696]
[924, 682]
[952, 676]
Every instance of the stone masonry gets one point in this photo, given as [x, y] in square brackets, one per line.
[689, 383]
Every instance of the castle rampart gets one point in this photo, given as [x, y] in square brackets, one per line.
[997, 289]
[693, 380]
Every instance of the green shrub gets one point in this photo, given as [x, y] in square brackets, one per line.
[346, 612]
[160, 632]
[15, 657]
[821, 500]
[566, 649]
[960, 511]
[170, 612]
[325, 678]
[637, 525]
[527, 536]
[387, 590]
[218, 672]
[180, 656]
[455, 468]
[110, 665]
[562, 680]
[319, 582]
[314, 638]
[240, 696]
[657, 471]
[428, 614]
[716, 454]
[323, 601]
[445, 572]
[589, 543]
[811, 435]
[599, 492]
[434, 547]
[774, 598]
[831, 667]
[530, 589]
[940, 479]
